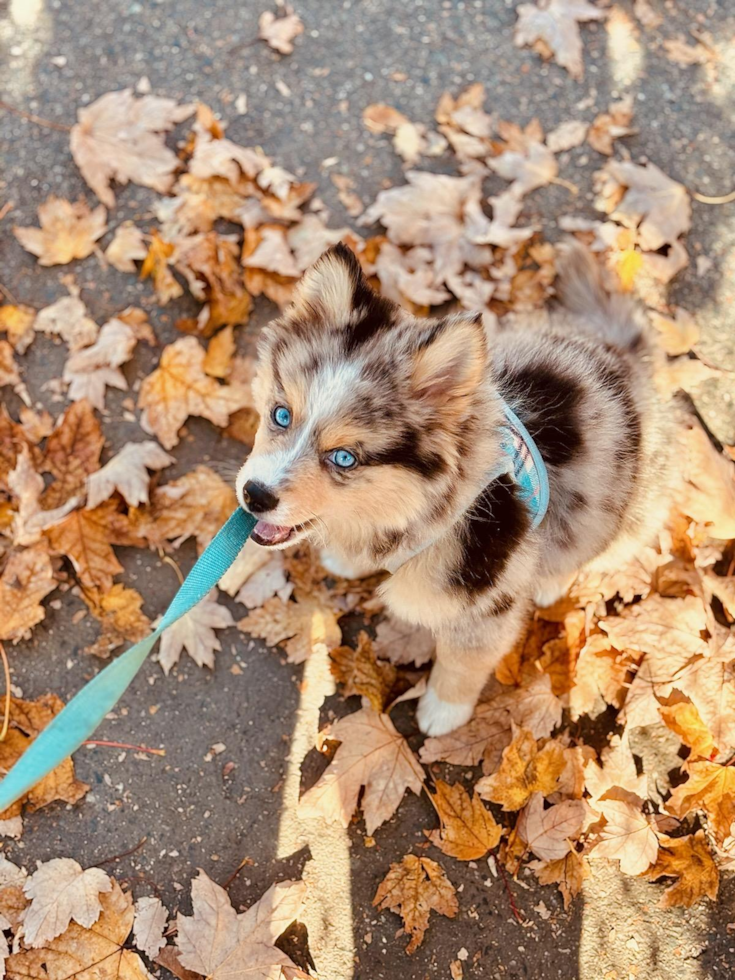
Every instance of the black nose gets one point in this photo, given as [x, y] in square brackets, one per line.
[259, 498]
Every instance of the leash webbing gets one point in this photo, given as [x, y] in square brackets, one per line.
[88, 708]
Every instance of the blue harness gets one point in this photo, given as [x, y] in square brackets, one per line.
[88, 708]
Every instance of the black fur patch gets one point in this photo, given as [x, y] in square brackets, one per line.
[502, 604]
[493, 528]
[629, 448]
[386, 543]
[407, 452]
[546, 402]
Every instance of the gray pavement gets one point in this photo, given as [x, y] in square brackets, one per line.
[191, 812]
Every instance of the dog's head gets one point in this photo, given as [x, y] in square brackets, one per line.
[366, 413]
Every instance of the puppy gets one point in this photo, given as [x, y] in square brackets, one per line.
[386, 438]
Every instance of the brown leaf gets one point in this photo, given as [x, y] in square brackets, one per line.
[13, 439]
[17, 322]
[548, 832]
[413, 889]
[119, 611]
[555, 23]
[657, 205]
[220, 351]
[708, 492]
[689, 860]
[468, 830]
[179, 388]
[681, 53]
[536, 167]
[484, 738]
[302, 628]
[26, 579]
[525, 769]
[195, 633]
[118, 137]
[126, 248]
[26, 485]
[658, 624]
[618, 777]
[68, 231]
[84, 537]
[373, 755]
[611, 125]
[711, 788]
[566, 136]
[212, 268]
[677, 335]
[91, 370]
[10, 372]
[360, 672]
[156, 265]
[279, 32]
[569, 873]
[627, 836]
[61, 890]
[127, 473]
[684, 719]
[169, 958]
[67, 318]
[403, 643]
[72, 453]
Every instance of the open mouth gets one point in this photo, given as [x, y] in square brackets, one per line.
[268, 535]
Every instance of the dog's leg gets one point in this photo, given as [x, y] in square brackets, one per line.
[465, 659]
[341, 567]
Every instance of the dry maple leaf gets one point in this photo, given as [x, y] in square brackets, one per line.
[195, 633]
[68, 231]
[372, 755]
[627, 836]
[533, 706]
[569, 873]
[120, 614]
[10, 372]
[484, 738]
[611, 125]
[72, 453]
[413, 889]
[555, 23]
[151, 916]
[60, 890]
[220, 351]
[676, 335]
[689, 860]
[711, 788]
[468, 830]
[26, 486]
[256, 575]
[91, 370]
[403, 643]
[360, 672]
[279, 32]
[708, 491]
[156, 265]
[653, 203]
[218, 943]
[660, 624]
[126, 248]
[196, 505]
[85, 537]
[13, 437]
[17, 322]
[681, 53]
[524, 769]
[549, 832]
[211, 266]
[566, 136]
[127, 472]
[710, 685]
[302, 628]
[117, 137]
[13, 901]
[536, 167]
[179, 388]
[67, 318]
[684, 720]
[89, 954]
[618, 772]
[26, 579]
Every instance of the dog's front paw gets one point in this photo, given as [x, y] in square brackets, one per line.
[437, 717]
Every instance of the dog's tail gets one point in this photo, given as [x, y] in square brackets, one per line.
[612, 317]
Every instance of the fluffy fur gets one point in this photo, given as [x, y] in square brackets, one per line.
[417, 403]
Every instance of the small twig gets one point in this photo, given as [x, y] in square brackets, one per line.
[704, 199]
[38, 120]
[8, 295]
[6, 209]
[511, 900]
[567, 184]
[168, 560]
[6, 718]
[124, 745]
[124, 854]
[245, 861]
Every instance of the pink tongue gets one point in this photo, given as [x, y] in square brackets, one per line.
[272, 533]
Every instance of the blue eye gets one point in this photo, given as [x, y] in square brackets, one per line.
[342, 458]
[282, 416]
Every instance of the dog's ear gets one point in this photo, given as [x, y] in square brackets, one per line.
[450, 360]
[332, 287]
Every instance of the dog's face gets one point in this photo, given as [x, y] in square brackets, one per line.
[365, 413]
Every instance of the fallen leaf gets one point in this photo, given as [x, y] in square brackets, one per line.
[569, 873]
[256, 575]
[84, 537]
[647, 14]
[689, 860]
[148, 926]
[118, 137]
[10, 372]
[681, 53]
[18, 323]
[179, 388]
[220, 351]
[156, 265]
[360, 672]
[212, 268]
[60, 890]
[555, 23]
[195, 633]
[72, 453]
[126, 248]
[13, 901]
[91, 370]
[218, 943]
[708, 491]
[413, 889]
[120, 613]
[68, 231]
[549, 832]
[660, 624]
[67, 318]
[653, 203]
[484, 738]
[372, 755]
[677, 335]
[627, 837]
[97, 952]
[26, 486]
[524, 769]
[468, 830]
[533, 706]
[26, 579]
[536, 167]
[380, 118]
[618, 772]
[710, 684]
[711, 788]
[403, 643]
[302, 628]
[611, 125]
[685, 721]
[169, 958]
[279, 32]
[127, 472]
[567, 135]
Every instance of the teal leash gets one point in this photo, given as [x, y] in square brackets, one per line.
[87, 709]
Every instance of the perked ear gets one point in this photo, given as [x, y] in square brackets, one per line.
[451, 361]
[330, 285]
